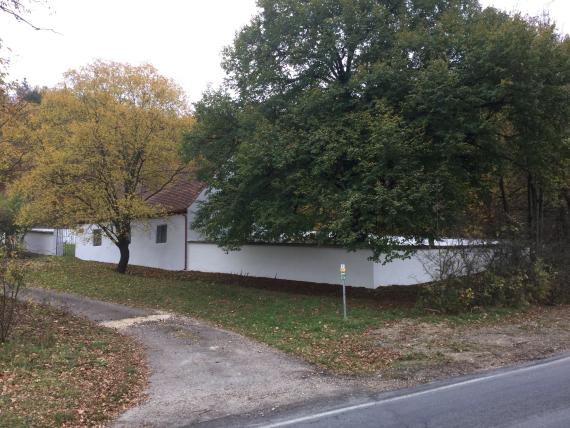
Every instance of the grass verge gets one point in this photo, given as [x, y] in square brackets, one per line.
[62, 371]
[300, 319]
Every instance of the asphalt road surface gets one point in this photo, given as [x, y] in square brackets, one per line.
[531, 396]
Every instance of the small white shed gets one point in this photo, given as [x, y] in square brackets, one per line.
[41, 241]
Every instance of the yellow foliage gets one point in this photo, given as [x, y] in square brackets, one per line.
[107, 138]
[15, 134]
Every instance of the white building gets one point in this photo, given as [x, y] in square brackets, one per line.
[48, 241]
[170, 243]
[41, 240]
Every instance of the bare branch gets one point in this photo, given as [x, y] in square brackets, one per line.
[17, 10]
[176, 173]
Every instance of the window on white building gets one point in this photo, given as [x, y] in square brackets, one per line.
[97, 238]
[161, 231]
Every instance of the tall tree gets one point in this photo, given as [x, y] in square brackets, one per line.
[16, 107]
[322, 145]
[108, 139]
[519, 71]
[353, 122]
[18, 104]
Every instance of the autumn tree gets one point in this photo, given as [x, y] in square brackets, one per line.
[16, 108]
[108, 139]
[18, 104]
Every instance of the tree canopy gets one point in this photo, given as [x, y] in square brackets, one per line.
[356, 122]
[108, 139]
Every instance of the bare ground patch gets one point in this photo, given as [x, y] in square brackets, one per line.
[433, 350]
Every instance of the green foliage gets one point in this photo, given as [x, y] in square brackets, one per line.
[352, 122]
[9, 207]
[450, 297]
[27, 93]
[68, 250]
[318, 139]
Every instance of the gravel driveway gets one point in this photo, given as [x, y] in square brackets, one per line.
[202, 373]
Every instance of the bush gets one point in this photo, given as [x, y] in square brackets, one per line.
[450, 296]
[515, 288]
[11, 279]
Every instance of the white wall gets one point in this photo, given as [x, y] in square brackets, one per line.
[417, 269]
[318, 264]
[294, 262]
[427, 265]
[144, 251]
[40, 242]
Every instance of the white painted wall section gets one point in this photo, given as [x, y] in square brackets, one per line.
[427, 265]
[414, 270]
[293, 262]
[144, 251]
[321, 264]
[194, 235]
[433, 264]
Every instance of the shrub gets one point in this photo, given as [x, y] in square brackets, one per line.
[68, 250]
[450, 296]
[11, 279]
[516, 288]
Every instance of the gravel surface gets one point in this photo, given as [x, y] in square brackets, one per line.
[201, 373]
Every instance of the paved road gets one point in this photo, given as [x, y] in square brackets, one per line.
[530, 396]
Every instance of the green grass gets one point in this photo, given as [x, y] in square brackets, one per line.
[297, 318]
[68, 250]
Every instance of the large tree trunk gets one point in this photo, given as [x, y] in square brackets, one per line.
[123, 245]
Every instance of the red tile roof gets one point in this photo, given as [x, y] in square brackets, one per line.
[177, 197]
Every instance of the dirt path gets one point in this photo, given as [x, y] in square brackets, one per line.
[199, 372]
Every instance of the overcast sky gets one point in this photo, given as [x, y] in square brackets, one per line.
[182, 38]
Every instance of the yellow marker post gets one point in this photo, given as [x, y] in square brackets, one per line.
[343, 280]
